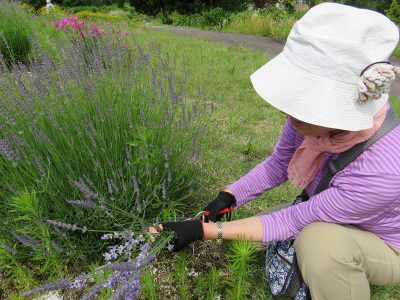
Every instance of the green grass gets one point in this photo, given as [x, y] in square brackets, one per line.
[273, 23]
[396, 51]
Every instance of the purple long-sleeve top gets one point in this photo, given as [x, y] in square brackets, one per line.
[365, 194]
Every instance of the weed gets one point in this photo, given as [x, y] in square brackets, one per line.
[241, 254]
[209, 285]
[181, 276]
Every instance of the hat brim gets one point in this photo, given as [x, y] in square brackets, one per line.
[311, 98]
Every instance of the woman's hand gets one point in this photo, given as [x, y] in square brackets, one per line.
[225, 199]
[186, 232]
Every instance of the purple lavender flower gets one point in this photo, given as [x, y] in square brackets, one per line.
[93, 291]
[104, 208]
[85, 203]
[110, 186]
[137, 203]
[128, 290]
[27, 240]
[166, 155]
[164, 190]
[169, 175]
[131, 266]
[49, 286]
[84, 188]
[40, 168]
[57, 247]
[81, 281]
[9, 249]
[68, 226]
[7, 151]
[135, 185]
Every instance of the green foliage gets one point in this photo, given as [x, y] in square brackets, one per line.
[123, 131]
[214, 18]
[265, 3]
[73, 3]
[209, 19]
[15, 32]
[209, 285]
[377, 5]
[394, 11]
[148, 290]
[241, 254]
[273, 22]
[154, 7]
[181, 276]
[290, 5]
[35, 3]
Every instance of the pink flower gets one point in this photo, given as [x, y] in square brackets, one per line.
[60, 26]
[101, 31]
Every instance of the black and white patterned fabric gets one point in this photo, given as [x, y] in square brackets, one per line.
[283, 273]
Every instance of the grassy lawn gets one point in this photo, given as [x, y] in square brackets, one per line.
[243, 130]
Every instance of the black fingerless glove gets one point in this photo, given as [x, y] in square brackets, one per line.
[223, 200]
[186, 232]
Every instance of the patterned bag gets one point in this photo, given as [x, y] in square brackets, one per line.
[284, 275]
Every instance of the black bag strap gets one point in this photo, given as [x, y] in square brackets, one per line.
[335, 165]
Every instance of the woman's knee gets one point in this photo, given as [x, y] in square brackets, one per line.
[322, 246]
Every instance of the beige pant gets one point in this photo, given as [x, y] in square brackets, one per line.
[339, 262]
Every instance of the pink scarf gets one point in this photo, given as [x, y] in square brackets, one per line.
[309, 157]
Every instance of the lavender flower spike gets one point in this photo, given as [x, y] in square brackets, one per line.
[27, 240]
[84, 188]
[72, 227]
[94, 290]
[9, 249]
[6, 149]
[49, 286]
[130, 266]
[84, 203]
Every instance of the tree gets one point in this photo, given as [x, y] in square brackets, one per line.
[153, 7]
[264, 3]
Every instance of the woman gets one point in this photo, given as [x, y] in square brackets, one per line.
[332, 81]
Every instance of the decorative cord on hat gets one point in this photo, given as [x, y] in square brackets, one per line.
[375, 80]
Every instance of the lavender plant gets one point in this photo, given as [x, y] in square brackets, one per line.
[123, 278]
[93, 148]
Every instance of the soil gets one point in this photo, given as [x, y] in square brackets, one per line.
[204, 255]
[264, 44]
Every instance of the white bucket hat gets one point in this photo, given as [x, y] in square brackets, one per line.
[318, 76]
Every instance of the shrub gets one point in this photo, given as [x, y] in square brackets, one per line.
[265, 3]
[185, 7]
[209, 19]
[394, 11]
[109, 141]
[35, 3]
[273, 22]
[15, 44]
[214, 18]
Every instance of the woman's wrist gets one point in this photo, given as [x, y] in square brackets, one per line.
[229, 191]
[249, 229]
[210, 231]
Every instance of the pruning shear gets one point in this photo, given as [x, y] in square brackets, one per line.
[205, 213]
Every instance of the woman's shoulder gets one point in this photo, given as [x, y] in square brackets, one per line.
[383, 157]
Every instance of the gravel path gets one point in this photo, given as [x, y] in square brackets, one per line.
[264, 44]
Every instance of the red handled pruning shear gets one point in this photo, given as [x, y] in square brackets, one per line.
[206, 213]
